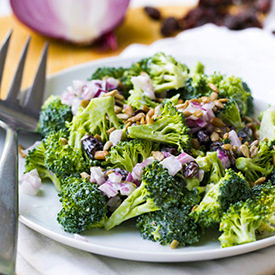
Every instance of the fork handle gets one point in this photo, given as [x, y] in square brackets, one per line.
[8, 202]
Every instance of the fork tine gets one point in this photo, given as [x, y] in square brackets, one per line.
[35, 95]
[3, 54]
[16, 82]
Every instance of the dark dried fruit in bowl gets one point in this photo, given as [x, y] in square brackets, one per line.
[191, 169]
[242, 21]
[122, 172]
[169, 26]
[90, 145]
[203, 137]
[246, 134]
[153, 12]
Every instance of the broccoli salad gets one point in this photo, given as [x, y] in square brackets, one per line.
[174, 149]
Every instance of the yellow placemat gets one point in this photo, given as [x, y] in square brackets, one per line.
[137, 28]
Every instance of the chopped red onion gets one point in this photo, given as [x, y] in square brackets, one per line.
[234, 139]
[131, 179]
[196, 123]
[115, 136]
[115, 177]
[126, 188]
[223, 158]
[172, 164]
[137, 171]
[109, 189]
[144, 83]
[31, 183]
[185, 158]
[86, 90]
[97, 175]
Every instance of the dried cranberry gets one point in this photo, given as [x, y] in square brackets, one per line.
[273, 32]
[91, 145]
[203, 137]
[122, 172]
[153, 13]
[191, 169]
[169, 26]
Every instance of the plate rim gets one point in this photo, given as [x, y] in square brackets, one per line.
[127, 254]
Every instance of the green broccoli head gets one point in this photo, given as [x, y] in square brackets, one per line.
[103, 72]
[172, 226]
[158, 190]
[126, 154]
[169, 127]
[138, 99]
[240, 223]
[53, 116]
[234, 88]
[265, 195]
[259, 166]
[62, 159]
[165, 72]
[35, 159]
[231, 188]
[231, 114]
[83, 205]
[212, 167]
[96, 118]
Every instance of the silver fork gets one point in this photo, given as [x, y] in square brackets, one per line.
[19, 111]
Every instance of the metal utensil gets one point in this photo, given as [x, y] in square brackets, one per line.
[19, 111]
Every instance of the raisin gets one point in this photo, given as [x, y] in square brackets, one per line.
[203, 137]
[242, 20]
[153, 13]
[171, 150]
[246, 134]
[91, 145]
[273, 32]
[191, 169]
[216, 145]
[169, 26]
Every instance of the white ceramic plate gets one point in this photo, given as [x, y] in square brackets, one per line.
[39, 212]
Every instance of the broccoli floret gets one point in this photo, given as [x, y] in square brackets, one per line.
[165, 72]
[62, 159]
[138, 99]
[234, 88]
[231, 114]
[265, 194]
[127, 154]
[212, 167]
[231, 188]
[158, 190]
[53, 116]
[259, 166]
[267, 128]
[240, 223]
[172, 226]
[96, 118]
[169, 127]
[83, 205]
[103, 72]
[35, 159]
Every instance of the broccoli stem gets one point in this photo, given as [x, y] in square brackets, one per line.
[135, 205]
